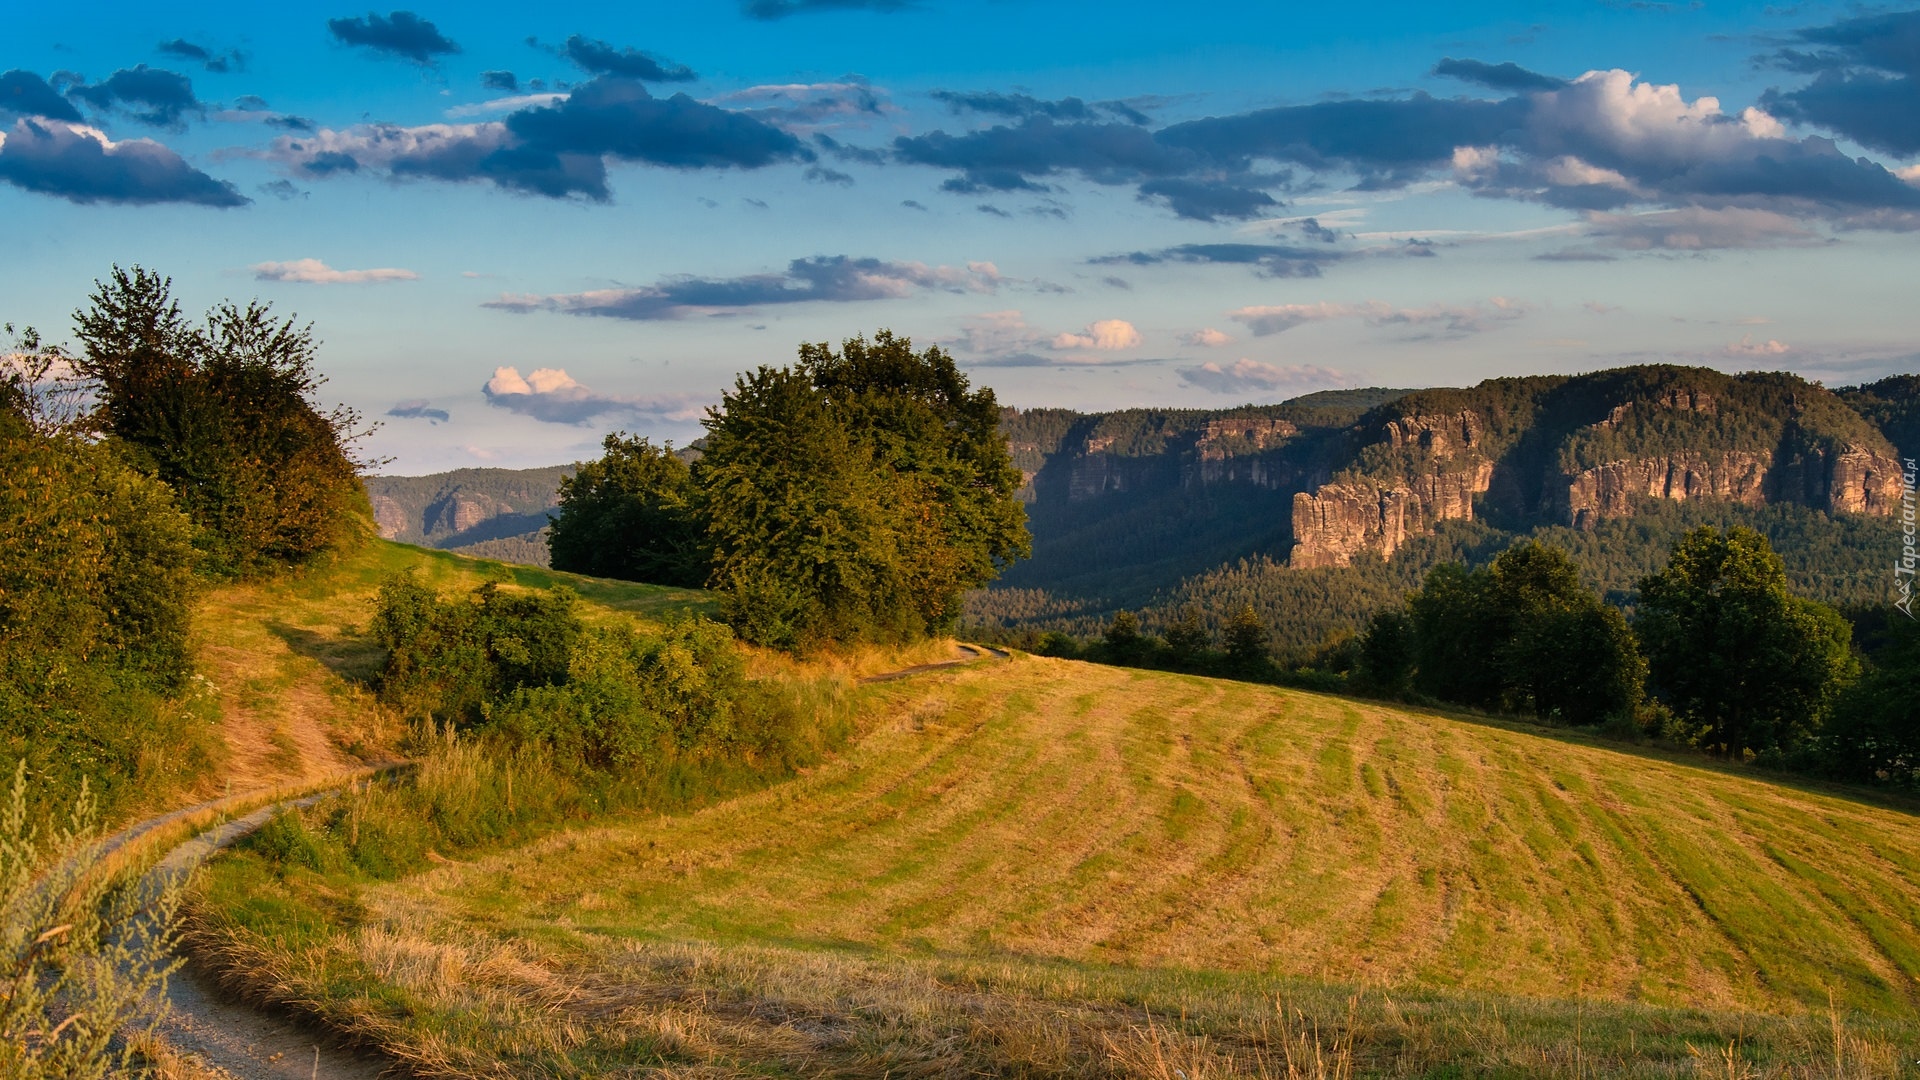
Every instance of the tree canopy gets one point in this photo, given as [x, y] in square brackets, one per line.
[632, 514]
[854, 495]
[1736, 655]
[224, 414]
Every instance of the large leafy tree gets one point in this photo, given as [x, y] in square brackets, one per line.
[857, 494]
[1523, 635]
[224, 413]
[1746, 664]
[632, 514]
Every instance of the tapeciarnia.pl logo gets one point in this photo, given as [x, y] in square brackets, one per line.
[1903, 570]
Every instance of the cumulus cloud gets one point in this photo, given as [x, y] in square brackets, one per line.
[832, 279]
[555, 397]
[769, 10]
[22, 93]
[315, 272]
[420, 409]
[1246, 376]
[150, 95]
[401, 34]
[1106, 335]
[1267, 260]
[1448, 320]
[559, 149]
[82, 165]
[500, 80]
[1746, 346]
[1208, 338]
[601, 58]
[1866, 80]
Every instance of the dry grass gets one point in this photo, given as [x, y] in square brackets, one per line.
[1054, 869]
[288, 658]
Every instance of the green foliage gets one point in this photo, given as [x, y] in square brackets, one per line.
[450, 660]
[632, 515]
[1386, 653]
[1246, 638]
[223, 414]
[96, 586]
[1873, 731]
[857, 495]
[522, 670]
[634, 700]
[1744, 664]
[1523, 635]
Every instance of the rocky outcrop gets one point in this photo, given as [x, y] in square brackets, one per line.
[389, 516]
[1444, 435]
[1844, 480]
[1612, 489]
[1342, 520]
[1235, 436]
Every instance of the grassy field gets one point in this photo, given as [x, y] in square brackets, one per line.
[287, 658]
[1048, 868]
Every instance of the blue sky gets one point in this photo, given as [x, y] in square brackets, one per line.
[518, 229]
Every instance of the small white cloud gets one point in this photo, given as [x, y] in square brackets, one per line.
[553, 396]
[1207, 338]
[1911, 174]
[1107, 335]
[1245, 376]
[1746, 346]
[315, 272]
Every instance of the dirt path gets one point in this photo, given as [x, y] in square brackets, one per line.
[237, 1041]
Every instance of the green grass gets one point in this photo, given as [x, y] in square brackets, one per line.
[1049, 868]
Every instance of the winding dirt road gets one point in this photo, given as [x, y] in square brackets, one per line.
[228, 1039]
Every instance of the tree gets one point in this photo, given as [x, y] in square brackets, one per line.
[856, 495]
[1455, 634]
[1387, 655]
[1246, 639]
[1874, 730]
[1523, 635]
[224, 415]
[631, 515]
[1747, 665]
[1562, 653]
[1187, 638]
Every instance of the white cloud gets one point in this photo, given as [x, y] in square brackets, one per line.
[315, 272]
[1245, 376]
[1207, 338]
[552, 395]
[1910, 173]
[1448, 319]
[1746, 346]
[1107, 335]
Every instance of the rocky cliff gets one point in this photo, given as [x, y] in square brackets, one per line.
[1578, 450]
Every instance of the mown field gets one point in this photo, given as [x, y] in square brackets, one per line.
[1049, 868]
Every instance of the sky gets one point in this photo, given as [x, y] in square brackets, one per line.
[517, 229]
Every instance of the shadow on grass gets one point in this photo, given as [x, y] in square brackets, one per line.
[354, 657]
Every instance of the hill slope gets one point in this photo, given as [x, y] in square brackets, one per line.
[1018, 860]
[488, 513]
